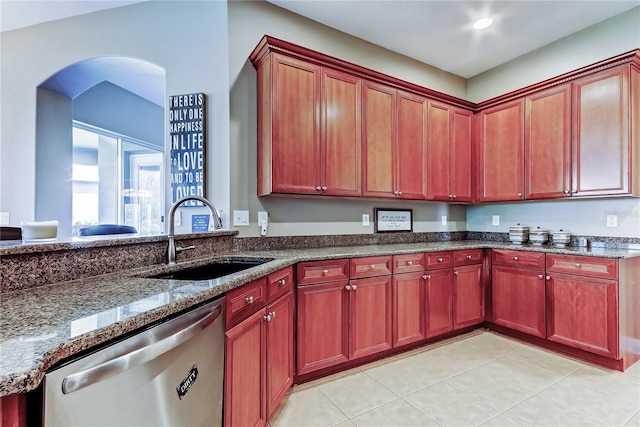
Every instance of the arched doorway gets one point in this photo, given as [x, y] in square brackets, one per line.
[99, 131]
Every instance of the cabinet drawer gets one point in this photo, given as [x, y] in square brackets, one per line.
[370, 266]
[467, 257]
[244, 301]
[279, 283]
[408, 263]
[323, 271]
[438, 259]
[518, 258]
[588, 266]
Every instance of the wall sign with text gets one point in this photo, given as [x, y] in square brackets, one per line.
[187, 139]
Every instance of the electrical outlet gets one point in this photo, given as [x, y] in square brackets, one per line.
[612, 220]
[365, 220]
[177, 219]
[444, 220]
[4, 218]
[240, 218]
[263, 218]
[495, 220]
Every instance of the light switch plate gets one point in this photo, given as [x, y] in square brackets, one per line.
[444, 220]
[4, 218]
[495, 220]
[612, 220]
[365, 220]
[240, 218]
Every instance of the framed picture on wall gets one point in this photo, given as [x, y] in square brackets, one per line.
[393, 220]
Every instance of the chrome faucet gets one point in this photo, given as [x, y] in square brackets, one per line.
[171, 249]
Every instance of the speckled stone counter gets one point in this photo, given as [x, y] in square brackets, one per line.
[44, 325]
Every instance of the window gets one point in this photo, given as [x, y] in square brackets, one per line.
[116, 180]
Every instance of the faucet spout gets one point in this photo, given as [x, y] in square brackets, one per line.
[171, 249]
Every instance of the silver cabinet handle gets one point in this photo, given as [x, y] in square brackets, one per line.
[454, 196]
[409, 263]
[440, 260]
[348, 287]
[282, 282]
[272, 314]
[515, 258]
[324, 188]
[519, 194]
[325, 272]
[318, 188]
[578, 265]
[373, 266]
[354, 287]
[267, 317]
[249, 300]
[469, 256]
[137, 357]
[399, 193]
[566, 191]
[455, 272]
[548, 277]
[540, 276]
[426, 277]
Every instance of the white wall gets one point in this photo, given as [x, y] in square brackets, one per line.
[249, 21]
[189, 39]
[587, 217]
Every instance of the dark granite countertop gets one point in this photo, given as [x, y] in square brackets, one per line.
[45, 325]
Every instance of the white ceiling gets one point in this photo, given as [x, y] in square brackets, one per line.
[439, 32]
[436, 32]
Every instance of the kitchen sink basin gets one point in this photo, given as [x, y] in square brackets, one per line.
[212, 270]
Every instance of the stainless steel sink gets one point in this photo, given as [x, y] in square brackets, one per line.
[212, 270]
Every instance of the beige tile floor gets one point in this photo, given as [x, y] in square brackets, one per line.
[480, 378]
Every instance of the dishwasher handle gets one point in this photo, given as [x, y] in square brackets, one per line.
[120, 364]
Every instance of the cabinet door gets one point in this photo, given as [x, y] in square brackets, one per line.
[518, 300]
[295, 147]
[601, 133]
[245, 373]
[501, 153]
[378, 140]
[411, 170]
[439, 301]
[448, 153]
[323, 326]
[548, 143]
[468, 296]
[370, 316]
[408, 308]
[341, 134]
[439, 151]
[582, 312]
[280, 356]
[461, 168]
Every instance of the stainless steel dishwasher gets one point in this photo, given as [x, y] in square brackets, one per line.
[168, 375]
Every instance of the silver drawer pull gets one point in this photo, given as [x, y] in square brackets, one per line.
[426, 277]
[282, 282]
[409, 263]
[373, 266]
[540, 276]
[325, 272]
[469, 257]
[249, 300]
[515, 258]
[354, 287]
[348, 287]
[456, 273]
[440, 259]
[578, 265]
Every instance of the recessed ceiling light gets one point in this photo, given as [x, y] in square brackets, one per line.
[482, 23]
